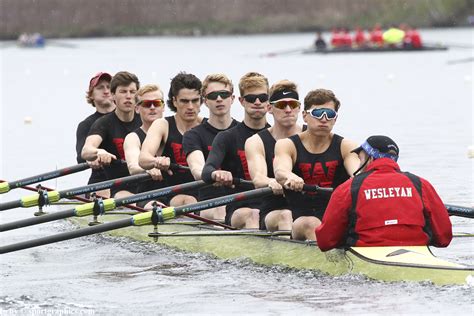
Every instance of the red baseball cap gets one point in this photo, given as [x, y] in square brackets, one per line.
[95, 80]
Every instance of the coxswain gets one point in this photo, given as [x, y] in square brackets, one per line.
[383, 206]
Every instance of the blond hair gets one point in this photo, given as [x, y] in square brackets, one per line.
[221, 78]
[283, 85]
[252, 80]
[147, 88]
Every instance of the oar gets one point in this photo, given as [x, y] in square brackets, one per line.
[285, 52]
[7, 186]
[461, 211]
[316, 188]
[54, 196]
[105, 205]
[139, 219]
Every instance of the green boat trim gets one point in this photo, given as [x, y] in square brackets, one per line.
[412, 263]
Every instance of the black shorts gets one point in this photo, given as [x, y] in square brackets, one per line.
[130, 187]
[230, 208]
[298, 211]
[277, 202]
[210, 192]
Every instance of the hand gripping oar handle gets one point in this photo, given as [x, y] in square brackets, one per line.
[139, 219]
[7, 186]
[316, 188]
[54, 196]
[461, 211]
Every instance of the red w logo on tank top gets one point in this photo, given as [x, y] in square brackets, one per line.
[178, 154]
[317, 175]
[118, 142]
[243, 161]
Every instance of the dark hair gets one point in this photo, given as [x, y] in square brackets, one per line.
[123, 78]
[182, 81]
[320, 97]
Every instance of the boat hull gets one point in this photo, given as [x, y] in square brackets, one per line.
[414, 263]
[345, 50]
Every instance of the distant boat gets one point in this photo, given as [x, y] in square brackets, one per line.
[34, 40]
[375, 49]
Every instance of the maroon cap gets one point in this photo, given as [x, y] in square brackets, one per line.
[95, 80]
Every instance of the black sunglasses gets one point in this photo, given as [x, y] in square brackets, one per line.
[224, 94]
[251, 98]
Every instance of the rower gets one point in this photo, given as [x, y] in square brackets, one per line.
[104, 142]
[316, 156]
[259, 149]
[150, 106]
[163, 142]
[218, 93]
[227, 158]
[382, 206]
[98, 95]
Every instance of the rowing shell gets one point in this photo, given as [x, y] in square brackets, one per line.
[408, 263]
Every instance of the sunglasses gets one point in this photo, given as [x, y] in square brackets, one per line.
[319, 113]
[251, 98]
[148, 103]
[224, 94]
[293, 104]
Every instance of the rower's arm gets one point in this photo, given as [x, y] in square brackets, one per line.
[131, 147]
[285, 156]
[215, 158]
[91, 149]
[351, 160]
[156, 135]
[196, 163]
[255, 154]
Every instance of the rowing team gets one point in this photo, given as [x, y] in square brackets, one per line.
[374, 204]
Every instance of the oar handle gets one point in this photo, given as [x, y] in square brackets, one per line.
[67, 235]
[316, 188]
[460, 211]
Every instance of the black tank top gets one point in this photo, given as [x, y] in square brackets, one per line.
[147, 185]
[174, 150]
[269, 146]
[325, 170]
[141, 135]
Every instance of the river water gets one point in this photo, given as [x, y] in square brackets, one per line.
[419, 99]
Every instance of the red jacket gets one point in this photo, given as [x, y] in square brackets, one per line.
[389, 212]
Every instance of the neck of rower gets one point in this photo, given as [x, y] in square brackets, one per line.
[280, 132]
[220, 122]
[184, 126]
[255, 123]
[316, 144]
[145, 126]
[104, 109]
[125, 116]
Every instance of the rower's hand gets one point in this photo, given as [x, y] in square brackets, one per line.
[293, 182]
[276, 187]
[104, 158]
[155, 174]
[163, 163]
[94, 164]
[222, 177]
